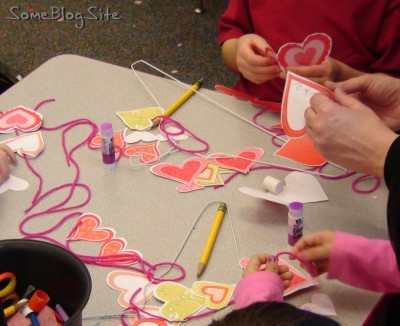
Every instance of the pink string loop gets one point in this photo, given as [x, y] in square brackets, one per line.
[166, 120]
[364, 178]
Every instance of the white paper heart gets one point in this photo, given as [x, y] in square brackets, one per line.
[301, 187]
[14, 183]
[320, 304]
[147, 136]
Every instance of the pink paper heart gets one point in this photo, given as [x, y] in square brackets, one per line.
[88, 229]
[320, 304]
[119, 142]
[184, 173]
[147, 153]
[241, 162]
[314, 50]
[20, 118]
[27, 144]
[117, 246]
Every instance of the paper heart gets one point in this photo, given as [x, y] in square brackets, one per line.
[128, 282]
[88, 229]
[301, 150]
[14, 183]
[179, 301]
[117, 246]
[299, 281]
[140, 119]
[301, 187]
[147, 136]
[27, 144]
[119, 143]
[189, 188]
[242, 162]
[184, 173]
[296, 99]
[320, 304]
[20, 118]
[217, 295]
[147, 153]
[314, 50]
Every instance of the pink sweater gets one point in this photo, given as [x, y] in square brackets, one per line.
[369, 264]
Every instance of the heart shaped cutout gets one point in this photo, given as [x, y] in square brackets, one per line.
[14, 183]
[184, 173]
[320, 304]
[119, 142]
[31, 144]
[140, 119]
[242, 162]
[313, 51]
[20, 118]
[147, 153]
[88, 228]
[217, 295]
[117, 246]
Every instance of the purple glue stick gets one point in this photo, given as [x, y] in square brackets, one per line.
[107, 145]
[295, 222]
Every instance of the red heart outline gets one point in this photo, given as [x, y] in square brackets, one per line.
[313, 51]
[89, 229]
[242, 162]
[147, 153]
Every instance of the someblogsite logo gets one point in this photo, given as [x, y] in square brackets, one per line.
[62, 14]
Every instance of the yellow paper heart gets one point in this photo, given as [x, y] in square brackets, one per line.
[140, 119]
[217, 295]
[179, 301]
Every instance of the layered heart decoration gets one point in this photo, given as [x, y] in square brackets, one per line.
[185, 173]
[117, 246]
[20, 118]
[147, 153]
[179, 301]
[31, 144]
[313, 51]
[88, 228]
[217, 295]
[242, 162]
[140, 119]
[119, 143]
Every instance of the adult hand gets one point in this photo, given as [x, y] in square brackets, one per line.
[347, 132]
[6, 155]
[263, 262]
[377, 91]
[253, 62]
[316, 248]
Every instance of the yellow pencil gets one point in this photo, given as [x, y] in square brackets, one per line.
[181, 100]
[211, 239]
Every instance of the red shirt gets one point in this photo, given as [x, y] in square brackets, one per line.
[365, 33]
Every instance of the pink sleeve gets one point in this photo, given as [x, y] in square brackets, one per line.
[258, 287]
[369, 264]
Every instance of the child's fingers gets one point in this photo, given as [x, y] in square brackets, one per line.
[272, 265]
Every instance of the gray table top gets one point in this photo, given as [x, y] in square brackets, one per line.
[145, 209]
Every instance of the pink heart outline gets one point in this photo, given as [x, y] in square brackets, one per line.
[320, 45]
[241, 162]
[31, 144]
[117, 246]
[147, 153]
[89, 229]
[20, 118]
[184, 173]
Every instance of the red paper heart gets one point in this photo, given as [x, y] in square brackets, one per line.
[117, 246]
[242, 162]
[88, 229]
[185, 173]
[217, 294]
[147, 153]
[313, 51]
[20, 118]
[119, 142]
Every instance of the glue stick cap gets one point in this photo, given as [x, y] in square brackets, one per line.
[106, 129]
[296, 209]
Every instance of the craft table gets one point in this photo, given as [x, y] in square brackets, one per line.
[146, 210]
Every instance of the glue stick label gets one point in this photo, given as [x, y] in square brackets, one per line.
[295, 222]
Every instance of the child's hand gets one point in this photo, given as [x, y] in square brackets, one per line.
[252, 61]
[316, 248]
[256, 263]
[6, 154]
[329, 70]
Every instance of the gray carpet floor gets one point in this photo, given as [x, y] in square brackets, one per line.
[166, 33]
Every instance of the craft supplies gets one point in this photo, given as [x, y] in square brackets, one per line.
[273, 185]
[181, 100]
[211, 239]
[107, 145]
[295, 222]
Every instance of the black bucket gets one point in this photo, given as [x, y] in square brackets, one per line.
[49, 268]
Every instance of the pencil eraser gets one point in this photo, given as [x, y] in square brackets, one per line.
[273, 185]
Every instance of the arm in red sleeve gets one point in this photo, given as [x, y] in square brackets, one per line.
[369, 264]
[258, 287]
